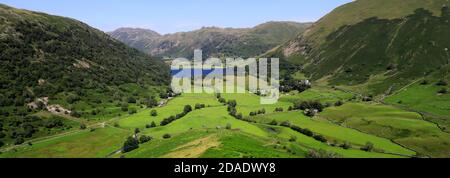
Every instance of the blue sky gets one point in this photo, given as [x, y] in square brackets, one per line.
[169, 16]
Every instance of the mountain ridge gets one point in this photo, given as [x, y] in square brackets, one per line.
[215, 41]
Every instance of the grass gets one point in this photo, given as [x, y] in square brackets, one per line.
[248, 102]
[404, 127]
[173, 107]
[212, 117]
[83, 144]
[334, 132]
[423, 98]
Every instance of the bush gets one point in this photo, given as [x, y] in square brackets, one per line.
[293, 139]
[442, 83]
[167, 136]
[19, 141]
[200, 106]
[130, 144]
[303, 105]
[339, 103]
[279, 109]
[136, 131]
[153, 113]
[368, 147]
[443, 91]
[322, 154]
[152, 125]
[145, 139]
[187, 109]
[320, 138]
[75, 114]
[286, 124]
[346, 145]
[2, 135]
[82, 126]
[424, 82]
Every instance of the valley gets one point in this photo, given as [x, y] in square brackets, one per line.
[364, 81]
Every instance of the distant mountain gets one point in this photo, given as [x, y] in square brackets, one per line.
[43, 55]
[215, 42]
[374, 46]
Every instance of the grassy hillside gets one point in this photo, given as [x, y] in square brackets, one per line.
[215, 42]
[55, 62]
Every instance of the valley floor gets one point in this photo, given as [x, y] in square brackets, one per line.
[211, 132]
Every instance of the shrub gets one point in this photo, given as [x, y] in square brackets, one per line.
[286, 124]
[83, 126]
[279, 109]
[274, 122]
[200, 106]
[339, 103]
[424, 82]
[187, 109]
[130, 144]
[152, 125]
[368, 147]
[136, 131]
[19, 141]
[75, 114]
[442, 83]
[131, 100]
[145, 139]
[232, 103]
[322, 154]
[346, 145]
[132, 111]
[154, 113]
[167, 136]
[443, 91]
[303, 105]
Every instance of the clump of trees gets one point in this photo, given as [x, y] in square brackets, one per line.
[279, 109]
[443, 91]
[130, 144]
[187, 109]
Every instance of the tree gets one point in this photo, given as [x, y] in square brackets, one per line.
[153, 124]
[443, 91]
[145, 139]
[346, 145]
[442, 83]
[154, 113]
[130, 144]
[167, 136]
[131, 100]
[136, 131]
[132, 111]
[368, 147]
[274, 122]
